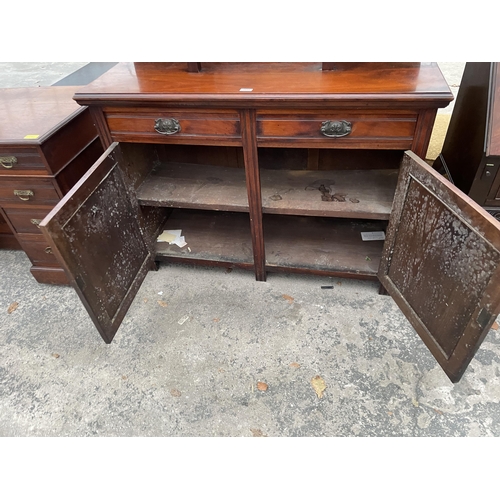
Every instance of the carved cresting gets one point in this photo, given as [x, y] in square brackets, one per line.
[336, 128]
[167, 126]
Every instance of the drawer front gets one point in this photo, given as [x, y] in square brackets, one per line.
[20, 161]
[27, 191]
[26, 220]
[174, 126]
[339, 128]
[37, 250]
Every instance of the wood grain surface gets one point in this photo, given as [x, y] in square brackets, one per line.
[141, 83]
[35, 111]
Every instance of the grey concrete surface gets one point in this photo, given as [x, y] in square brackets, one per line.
[35, 74]
[195, 344]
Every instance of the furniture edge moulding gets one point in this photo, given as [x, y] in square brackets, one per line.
[266, 100]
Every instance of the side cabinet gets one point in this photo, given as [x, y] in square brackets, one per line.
[471, 150]
[47, 141]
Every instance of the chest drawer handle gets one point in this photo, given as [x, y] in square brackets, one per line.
[36, 222]
[8, 161]
[48, 250]
[167, 126]
[336, 128]
[24, 195]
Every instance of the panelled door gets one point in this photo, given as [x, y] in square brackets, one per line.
[440, 264]
[96, 232]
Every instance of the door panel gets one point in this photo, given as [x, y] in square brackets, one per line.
[441, 264]
[96, 234]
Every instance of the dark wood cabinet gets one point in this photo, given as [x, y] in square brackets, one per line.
[278, 167]
[47, 142]
[471, 150]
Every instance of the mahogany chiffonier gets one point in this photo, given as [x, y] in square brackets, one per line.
[47, 142]
[280, 167]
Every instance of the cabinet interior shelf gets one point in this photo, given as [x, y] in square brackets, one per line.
[322, 244]
[368, 194]
[205, 187]
[215, 237]
[333, 247]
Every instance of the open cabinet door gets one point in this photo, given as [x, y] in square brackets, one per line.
[440, 264]
[96, 233]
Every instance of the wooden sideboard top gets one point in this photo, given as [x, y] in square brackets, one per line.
[35, 111]
[270, 84]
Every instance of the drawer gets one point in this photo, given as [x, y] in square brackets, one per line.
[20, 161]
[26, 220]
[175, 126]
[339, 128]
[37, 250]
[27, 191]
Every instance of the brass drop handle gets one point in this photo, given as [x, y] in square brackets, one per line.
[36, 222]
[332, 128]
[48, 250]
[24, 195]
[167, 126]
[8, 161]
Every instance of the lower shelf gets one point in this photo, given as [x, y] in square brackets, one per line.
[318, 245]
[212, 237]
[322, 245]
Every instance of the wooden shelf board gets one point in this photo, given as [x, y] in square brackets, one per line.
[373, 190]
[208, 187]
[222, 237]
[322, 244]
[204, 187]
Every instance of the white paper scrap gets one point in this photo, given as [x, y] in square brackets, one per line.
[373, 235]
[179, 241]
[245, 90]
[169, 235]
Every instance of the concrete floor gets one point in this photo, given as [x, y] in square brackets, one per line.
[189, 356]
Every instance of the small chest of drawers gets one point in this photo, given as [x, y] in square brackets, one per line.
[47, 142]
